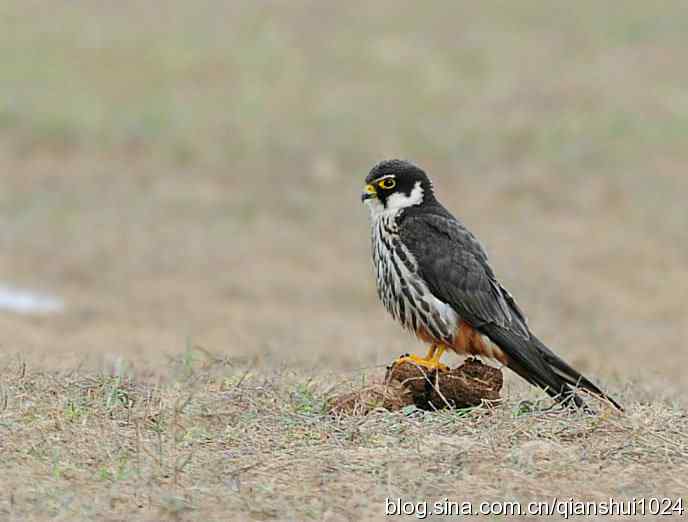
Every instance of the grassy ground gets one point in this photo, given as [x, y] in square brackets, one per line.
[190, 178]
[219, 442]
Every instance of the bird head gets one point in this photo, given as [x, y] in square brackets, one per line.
[395, 184]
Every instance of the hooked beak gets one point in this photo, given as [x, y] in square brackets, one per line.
[369, 193]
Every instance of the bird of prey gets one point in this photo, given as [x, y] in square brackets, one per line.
[433, 276]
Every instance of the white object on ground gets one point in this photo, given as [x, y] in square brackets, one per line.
[28, 302]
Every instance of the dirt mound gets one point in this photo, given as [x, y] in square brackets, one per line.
[406, 384]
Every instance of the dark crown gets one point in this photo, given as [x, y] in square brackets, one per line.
[407, 176]
[397, 167]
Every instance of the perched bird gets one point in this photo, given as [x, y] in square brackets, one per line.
[433, 276]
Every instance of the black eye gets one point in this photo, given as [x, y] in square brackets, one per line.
[387, 183]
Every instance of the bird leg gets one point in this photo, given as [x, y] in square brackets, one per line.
[430, 361]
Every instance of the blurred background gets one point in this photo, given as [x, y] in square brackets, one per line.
[189, 174]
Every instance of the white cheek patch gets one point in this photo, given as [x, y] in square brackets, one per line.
[396, 201]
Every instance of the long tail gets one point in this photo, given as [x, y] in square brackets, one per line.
[538, 365]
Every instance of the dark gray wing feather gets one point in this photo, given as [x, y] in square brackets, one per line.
[454, 265]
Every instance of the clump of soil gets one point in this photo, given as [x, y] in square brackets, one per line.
[406, 384]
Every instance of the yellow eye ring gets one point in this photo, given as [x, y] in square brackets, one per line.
[387, 183]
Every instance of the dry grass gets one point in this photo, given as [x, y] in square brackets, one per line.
[191, 177]
[220, 442]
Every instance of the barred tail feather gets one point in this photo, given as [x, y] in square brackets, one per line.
[569, 374]
[538, 365]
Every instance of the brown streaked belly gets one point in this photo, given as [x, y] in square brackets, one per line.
[424, 335]
[467, 341]
[471, 342]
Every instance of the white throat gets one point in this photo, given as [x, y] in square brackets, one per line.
[395, 202]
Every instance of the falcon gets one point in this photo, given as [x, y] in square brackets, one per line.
[433, 277]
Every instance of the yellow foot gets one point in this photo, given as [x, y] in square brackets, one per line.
[432, 363]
